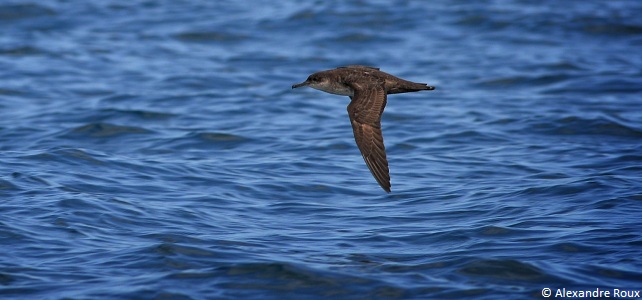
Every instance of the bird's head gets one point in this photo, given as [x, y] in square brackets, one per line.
[315, 81]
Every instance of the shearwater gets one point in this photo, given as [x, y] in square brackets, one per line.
[367, 88]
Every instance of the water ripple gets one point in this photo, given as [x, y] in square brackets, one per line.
[158, 147]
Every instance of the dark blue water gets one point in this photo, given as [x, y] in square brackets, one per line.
[155, 150]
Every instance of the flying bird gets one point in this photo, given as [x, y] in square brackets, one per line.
[367, 88]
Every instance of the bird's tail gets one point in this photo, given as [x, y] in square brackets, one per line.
[411, 87]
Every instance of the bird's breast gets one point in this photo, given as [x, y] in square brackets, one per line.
[337, 89]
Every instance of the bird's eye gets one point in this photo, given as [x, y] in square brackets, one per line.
[314, 79]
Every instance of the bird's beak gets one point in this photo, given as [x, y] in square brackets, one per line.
[300, 84]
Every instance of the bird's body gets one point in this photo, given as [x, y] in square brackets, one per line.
[367, 88]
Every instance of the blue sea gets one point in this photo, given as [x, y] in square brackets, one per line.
[156, 150]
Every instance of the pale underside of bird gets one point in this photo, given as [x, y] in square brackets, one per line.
[367, 88]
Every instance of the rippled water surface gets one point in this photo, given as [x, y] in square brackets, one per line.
[155, 150]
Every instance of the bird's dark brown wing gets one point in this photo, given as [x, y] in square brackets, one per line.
[365, 111]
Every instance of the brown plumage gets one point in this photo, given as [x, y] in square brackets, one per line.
[368, 88]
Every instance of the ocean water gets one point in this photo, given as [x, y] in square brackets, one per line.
[156, 150]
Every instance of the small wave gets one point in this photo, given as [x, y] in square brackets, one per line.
[574, 125]
[525, 80]
[21, 51]
[609, 28]
[504, 268]
[245, 278]
[6, 185]
[205, 140]
[139, 114]
[209, 36]
[106, 130]
[24, 11]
